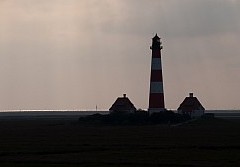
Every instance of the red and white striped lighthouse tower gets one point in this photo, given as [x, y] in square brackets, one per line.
[156, 97]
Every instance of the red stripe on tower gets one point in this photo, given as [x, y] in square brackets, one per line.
[156, 97]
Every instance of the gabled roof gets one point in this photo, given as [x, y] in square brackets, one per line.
[122, 104]
[191, 103]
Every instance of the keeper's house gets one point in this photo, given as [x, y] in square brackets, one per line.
[191, 106]
[122, 105]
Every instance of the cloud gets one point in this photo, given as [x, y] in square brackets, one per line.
[175, 18]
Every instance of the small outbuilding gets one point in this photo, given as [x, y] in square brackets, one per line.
[191, 106]
[122, 105]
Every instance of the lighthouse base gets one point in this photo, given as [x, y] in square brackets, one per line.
[155, 110]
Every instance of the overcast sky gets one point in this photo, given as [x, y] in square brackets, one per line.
[76, 54]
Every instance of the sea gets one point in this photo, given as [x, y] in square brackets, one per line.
[46, 114]
[225, 114]
[74, 115]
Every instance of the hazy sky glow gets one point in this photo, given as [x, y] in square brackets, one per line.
[76, 54]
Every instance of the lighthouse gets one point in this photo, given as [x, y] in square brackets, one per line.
[156, 95]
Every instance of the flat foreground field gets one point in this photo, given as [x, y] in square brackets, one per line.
[66, 143]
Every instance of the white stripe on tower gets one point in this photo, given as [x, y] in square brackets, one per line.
[156, 97]
[156, 64]
[156, 87]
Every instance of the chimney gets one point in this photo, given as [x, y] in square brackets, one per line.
[190, 94]
[124, 95]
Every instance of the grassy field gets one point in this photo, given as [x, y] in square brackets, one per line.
[66, 143]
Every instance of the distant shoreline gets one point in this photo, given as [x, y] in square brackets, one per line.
[59, 115]
[74, 115]
[96, 111]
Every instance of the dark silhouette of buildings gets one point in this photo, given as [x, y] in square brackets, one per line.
[123, 105]
[191, 106]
